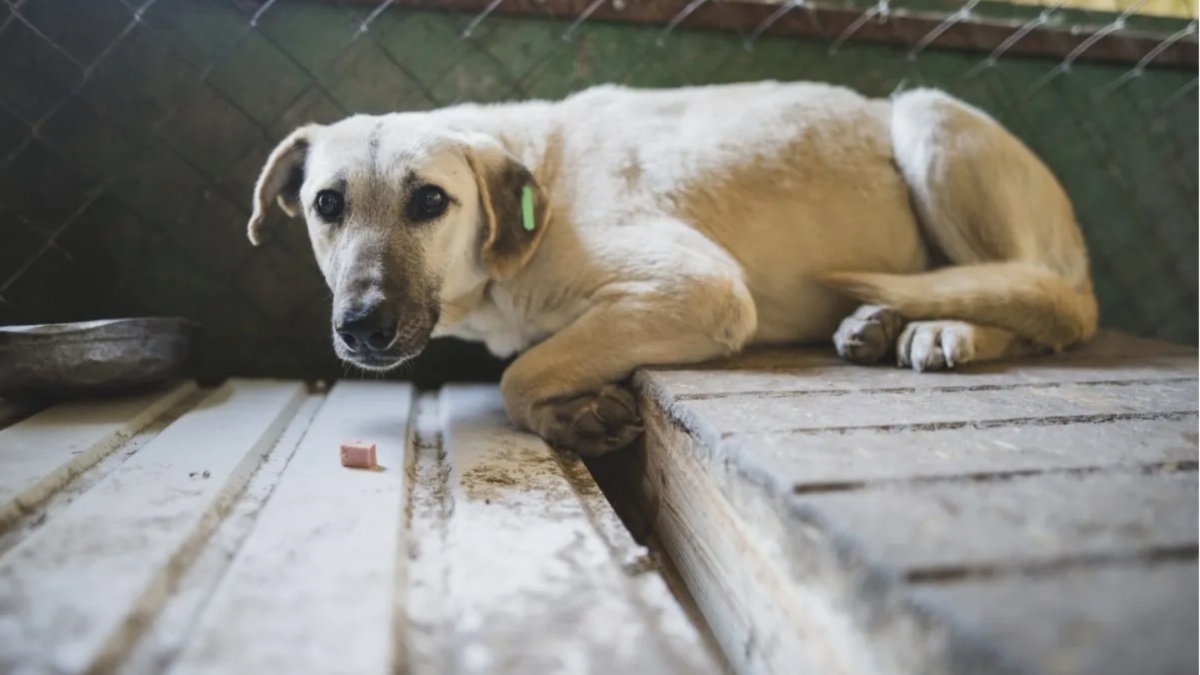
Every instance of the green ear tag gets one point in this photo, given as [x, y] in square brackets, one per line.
[527, 208]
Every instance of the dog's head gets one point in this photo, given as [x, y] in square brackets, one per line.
[404, 214]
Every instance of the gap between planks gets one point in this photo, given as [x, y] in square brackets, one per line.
[1045, 421]
[423, 627]
[956, 573]
[1146, 469]
[515, 542]
[963, 388]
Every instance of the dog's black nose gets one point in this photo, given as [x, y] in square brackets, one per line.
[370, 329]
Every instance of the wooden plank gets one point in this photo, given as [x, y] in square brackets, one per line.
[807, 463]
[940, 529]
[75, 593]
[680, 624]
[313, 588]
[530, 585]
[1119, 349]
[914, 410]
[837, 378]
[164, 638]
[43, 453]
[783, 594]
[832, 375]
[1111, 357]
[1106, 620]
[763, 618]
[809, 511]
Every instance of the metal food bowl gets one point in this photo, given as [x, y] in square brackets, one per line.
[52, 360]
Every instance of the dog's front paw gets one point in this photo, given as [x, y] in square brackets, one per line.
[935, 345]
[592, 424]
[867, 335]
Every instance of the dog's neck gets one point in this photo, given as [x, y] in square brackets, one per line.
[457, 308]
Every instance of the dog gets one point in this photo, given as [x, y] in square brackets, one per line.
[623, 227]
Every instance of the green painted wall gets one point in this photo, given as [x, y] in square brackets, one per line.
[128, 149]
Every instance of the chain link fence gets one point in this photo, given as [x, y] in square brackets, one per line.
[131, 133]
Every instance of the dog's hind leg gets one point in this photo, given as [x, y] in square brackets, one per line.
[999, 217]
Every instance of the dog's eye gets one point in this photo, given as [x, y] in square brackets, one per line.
[427, 203]
[330, 204]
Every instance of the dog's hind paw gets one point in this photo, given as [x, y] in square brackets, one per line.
[868, 335]
[935, 345]
[592, 424]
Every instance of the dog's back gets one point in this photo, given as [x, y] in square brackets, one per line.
[792, 180]
[799, 180]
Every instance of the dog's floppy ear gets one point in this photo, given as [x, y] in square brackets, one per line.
[515, 208]
[280, 180]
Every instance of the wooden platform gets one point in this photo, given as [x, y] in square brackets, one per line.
[193, 531]
[1032, 517]
[1036, 517]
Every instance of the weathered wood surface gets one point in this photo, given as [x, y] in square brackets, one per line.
[1032, 517]
[42, 453]
[524, 555]
[1028, 517]
[77, 587]
[324, 553]
[227, 538]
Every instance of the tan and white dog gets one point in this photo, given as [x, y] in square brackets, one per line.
[676, 226]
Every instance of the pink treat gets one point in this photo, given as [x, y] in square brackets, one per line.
[358, 455]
